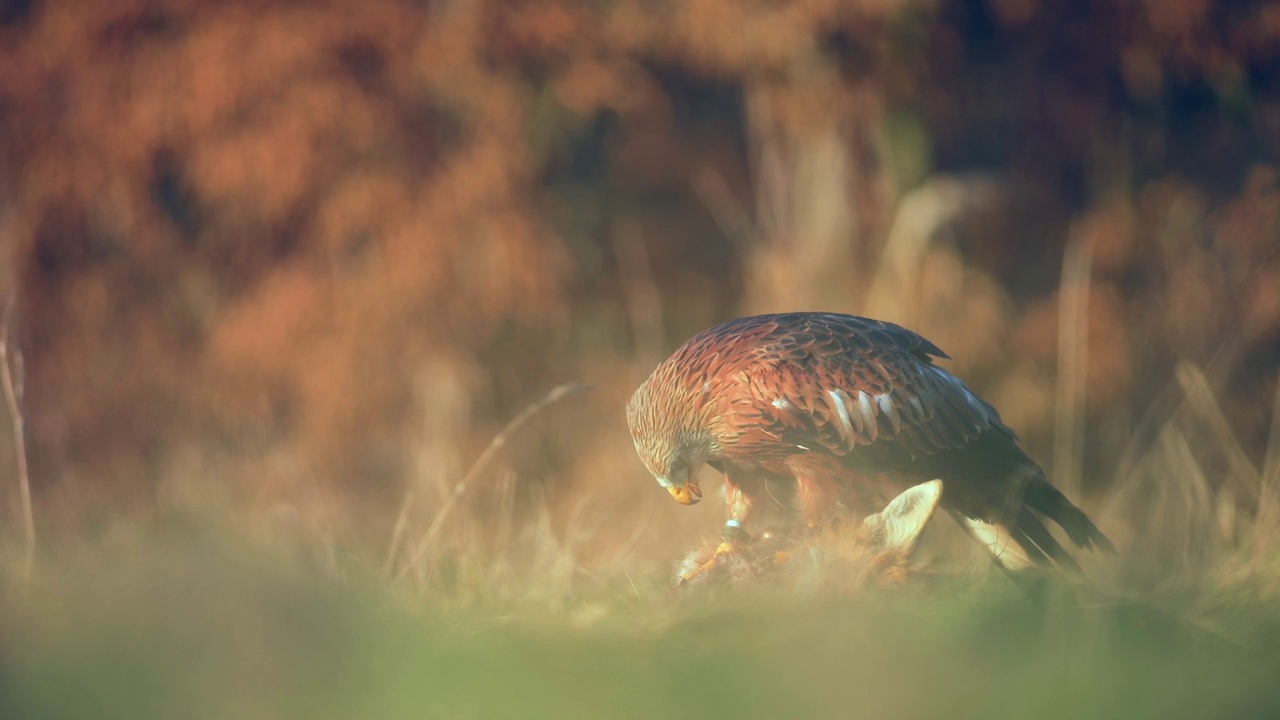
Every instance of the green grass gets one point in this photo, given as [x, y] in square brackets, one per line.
[490, 617]
[177, 626]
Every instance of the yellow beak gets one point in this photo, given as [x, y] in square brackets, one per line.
[686, 494]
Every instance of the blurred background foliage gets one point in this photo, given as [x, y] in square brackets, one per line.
[301, 261]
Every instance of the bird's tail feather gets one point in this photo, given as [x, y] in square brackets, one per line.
[1046, 499]
[1019, 545]
[1035, 538]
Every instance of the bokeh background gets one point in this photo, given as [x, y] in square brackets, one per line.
[287, 269]
[306, 259]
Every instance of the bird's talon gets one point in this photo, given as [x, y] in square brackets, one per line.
[724, 548]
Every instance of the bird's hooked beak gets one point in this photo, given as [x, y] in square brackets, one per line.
[686, 494]
[679, 480]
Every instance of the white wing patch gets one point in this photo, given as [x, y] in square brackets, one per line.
[841, 402]
[868, 415]
[889, 412]
[919, 408]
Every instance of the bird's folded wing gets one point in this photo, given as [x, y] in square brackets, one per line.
[837, 387]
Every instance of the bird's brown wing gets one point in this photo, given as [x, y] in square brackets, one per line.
[809, 386]
[851, 387]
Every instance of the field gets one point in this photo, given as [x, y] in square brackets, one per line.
[319, 320]
[194, 629]
[187, 620]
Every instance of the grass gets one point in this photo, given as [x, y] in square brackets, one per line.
[486, 610]
[186, 625]
[485, 601]
[192, 620]
[489, 606]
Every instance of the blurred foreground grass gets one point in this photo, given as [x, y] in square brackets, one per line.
[186, 625]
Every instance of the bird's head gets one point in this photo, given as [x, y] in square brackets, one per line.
[669, 441]
[674, 465]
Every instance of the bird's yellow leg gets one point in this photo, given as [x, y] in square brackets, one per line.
[732, 537]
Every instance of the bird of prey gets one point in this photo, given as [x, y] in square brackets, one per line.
[804, 413]
[854, 556]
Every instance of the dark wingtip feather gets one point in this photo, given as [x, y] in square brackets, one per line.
[1046, 498]
[1101, 542]
[1039, 543]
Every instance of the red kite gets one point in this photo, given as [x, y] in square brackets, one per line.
[806, 412]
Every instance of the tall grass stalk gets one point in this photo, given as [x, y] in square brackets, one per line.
[13, 399]
[481, 464]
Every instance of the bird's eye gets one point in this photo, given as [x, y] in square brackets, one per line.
[675, 468]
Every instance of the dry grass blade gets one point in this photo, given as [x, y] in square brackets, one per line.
[1271, 463]
[1168, 403]
[1268, 518]
[402, 520]
[630, 545]
[1186, 510]
[919, 217]
[644, 300]
[1201, 398]
[1073, 358]
[769, 168]
[499, 441]
[728, 213]
[13, 397]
